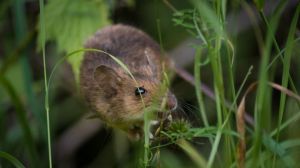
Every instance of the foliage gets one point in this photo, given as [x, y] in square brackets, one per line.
[250, 119]
[69, 23]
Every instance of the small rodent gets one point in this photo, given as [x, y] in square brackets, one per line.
[109, 90]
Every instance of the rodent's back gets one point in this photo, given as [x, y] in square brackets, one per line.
[125, 42]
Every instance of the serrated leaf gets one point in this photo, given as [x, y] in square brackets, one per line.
[70, 22]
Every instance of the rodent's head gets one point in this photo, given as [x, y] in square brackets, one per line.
[118, 99]
[121, 100]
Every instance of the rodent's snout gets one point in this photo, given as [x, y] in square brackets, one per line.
[171, 102]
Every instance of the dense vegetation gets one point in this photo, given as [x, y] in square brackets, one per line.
[239, 108]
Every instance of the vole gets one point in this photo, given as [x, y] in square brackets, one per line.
[109, 91]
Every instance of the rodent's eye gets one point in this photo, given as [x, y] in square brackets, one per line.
[140, 91]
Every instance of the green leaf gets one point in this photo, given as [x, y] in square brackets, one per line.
[70, 22]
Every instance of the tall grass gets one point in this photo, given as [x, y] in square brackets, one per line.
[262, 150]
[286, 69]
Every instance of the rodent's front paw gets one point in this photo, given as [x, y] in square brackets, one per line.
[135, 133]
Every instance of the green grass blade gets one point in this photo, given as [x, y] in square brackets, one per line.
[214, 149]
[20, 24]
[197, 72]
[200, 34]
[260, 120]
[286, 66]
[290, 143]
[11, 159]
[21, 32]
[213, 17]
[21, 116]
[43, 41]
[280, 54]
[241, 87]
[209, 16]
[286, 123]
[230, 68]
[196, 157]
[61, 60]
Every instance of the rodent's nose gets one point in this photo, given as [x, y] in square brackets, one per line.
[172, 102]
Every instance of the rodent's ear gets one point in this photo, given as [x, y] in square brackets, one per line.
[107, 78]
[150, 55]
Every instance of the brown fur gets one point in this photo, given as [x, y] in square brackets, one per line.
[109, 91]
